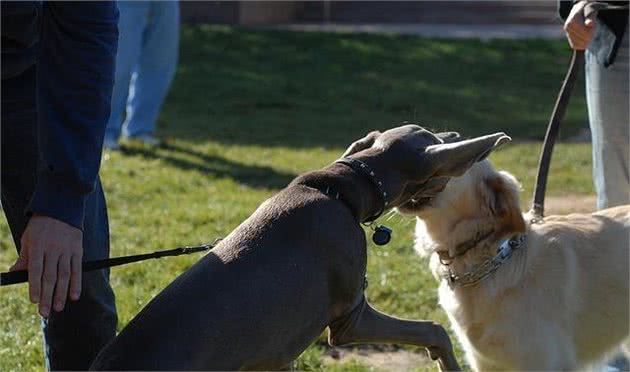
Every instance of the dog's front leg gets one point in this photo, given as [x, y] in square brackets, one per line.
[368, 325]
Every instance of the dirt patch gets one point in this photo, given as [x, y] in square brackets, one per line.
[382, 358]
[570, 204]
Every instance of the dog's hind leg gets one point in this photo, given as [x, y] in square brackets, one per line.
[368, 325]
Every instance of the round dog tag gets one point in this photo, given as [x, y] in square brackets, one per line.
[382, 235]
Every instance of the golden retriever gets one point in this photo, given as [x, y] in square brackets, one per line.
[523, 295]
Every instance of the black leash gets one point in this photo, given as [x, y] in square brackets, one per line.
[559, 110]
[21, 276]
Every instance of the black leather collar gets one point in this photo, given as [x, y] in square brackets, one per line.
[381, 234]
[362, 168]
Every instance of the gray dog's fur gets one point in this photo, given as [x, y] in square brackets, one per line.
[296, 266]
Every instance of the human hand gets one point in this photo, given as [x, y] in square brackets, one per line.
[578, 29]
[52, 252]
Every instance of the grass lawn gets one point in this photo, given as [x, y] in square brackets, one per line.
[249, 110]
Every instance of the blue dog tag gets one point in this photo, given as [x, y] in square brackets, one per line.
[382, 235]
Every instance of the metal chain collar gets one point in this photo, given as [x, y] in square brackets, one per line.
[486, 268]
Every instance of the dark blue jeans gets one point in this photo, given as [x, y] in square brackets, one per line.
[74, 336]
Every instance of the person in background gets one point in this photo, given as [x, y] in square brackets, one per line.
[605, 41]
[145, 65]
[57, 77]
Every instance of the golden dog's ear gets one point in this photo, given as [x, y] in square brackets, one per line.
[362, 144]
[500, 192]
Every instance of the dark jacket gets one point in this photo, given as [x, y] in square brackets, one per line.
[73, 47]
[606, 41]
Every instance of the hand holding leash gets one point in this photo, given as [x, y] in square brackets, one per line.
[51, 251]
[21, 276]
[579, 26]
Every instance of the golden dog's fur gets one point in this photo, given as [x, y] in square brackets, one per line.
[559, 303]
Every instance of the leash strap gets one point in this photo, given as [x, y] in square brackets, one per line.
[553, 128]
[21, 276]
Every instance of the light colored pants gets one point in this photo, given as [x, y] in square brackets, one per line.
[145, 64]
[607, 101]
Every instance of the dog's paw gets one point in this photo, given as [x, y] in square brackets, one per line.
[442, 350]
[433, 353]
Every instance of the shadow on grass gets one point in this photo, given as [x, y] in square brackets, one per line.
[253, 176]
[281, 88]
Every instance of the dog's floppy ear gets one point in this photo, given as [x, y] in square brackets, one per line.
[500, 193]
[453, 159]
[362, 144]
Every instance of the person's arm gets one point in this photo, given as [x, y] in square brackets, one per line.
[74, 85]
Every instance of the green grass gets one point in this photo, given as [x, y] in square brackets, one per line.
[249, 110]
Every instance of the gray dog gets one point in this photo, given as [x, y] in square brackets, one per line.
[297, 265]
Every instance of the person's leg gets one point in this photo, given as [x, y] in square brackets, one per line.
[74, 336]
[607, 101]
[155, 70]
[131, 24]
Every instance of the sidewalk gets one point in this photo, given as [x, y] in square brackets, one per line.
[445, 31]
